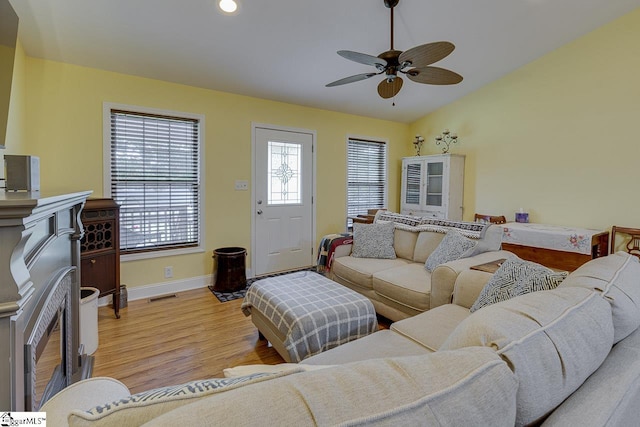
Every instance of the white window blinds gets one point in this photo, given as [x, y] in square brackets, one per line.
[366, 176]
[155, 177]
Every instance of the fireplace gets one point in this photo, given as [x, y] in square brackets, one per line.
[40, 350]
[48, 348]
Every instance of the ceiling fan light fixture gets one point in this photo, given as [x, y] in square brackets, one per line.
[415, 63]
[228, 6]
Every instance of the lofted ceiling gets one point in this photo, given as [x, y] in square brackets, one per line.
[285, 50]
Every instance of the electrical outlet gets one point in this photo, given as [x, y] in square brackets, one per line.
[241, 185]
[168, 272]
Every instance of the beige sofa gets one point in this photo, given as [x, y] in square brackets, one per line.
[402, 287]
[568, 356]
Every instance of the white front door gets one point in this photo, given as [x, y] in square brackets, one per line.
[283, 214]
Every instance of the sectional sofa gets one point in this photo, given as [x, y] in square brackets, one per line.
[568, 356]
[401, 287]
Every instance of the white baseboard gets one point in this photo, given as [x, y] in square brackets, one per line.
[158, 289]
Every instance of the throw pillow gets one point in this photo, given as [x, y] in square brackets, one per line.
[373, 240]
[452, 247]
[490, 240]
[143, 407]
[517, 277]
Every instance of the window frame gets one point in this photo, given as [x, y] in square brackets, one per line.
[106, 145]
[385, 171]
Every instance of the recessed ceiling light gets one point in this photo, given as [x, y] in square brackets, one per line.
[228, 6]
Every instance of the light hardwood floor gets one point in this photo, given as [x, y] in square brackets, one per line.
[176, 340]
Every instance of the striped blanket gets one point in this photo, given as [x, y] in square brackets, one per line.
[327, 247]
[311, 311]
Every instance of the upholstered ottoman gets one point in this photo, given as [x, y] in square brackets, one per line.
[305, 313]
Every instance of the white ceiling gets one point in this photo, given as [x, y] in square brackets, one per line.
[285, 50]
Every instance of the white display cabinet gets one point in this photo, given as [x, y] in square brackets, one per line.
[432, 186]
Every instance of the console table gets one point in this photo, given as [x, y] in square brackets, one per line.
[554, 246]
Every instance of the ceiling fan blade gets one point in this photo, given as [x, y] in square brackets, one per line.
[363, 58]
[426, 54]
[388, 89]
[434, 76]
[351, 79]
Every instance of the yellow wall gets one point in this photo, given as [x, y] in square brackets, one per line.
[65, 115]
[17, 121]
[558, 137]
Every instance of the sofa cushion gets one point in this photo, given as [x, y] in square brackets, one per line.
[617, 276]
[137, 409]
[381, 344]
[426, 243]
[611, 394]
[373, 240]
[552, 340]
[359, 271]
[517, 277]
[404, 243]
[451, 248]
[408, 285]
[431, 328]
[433, 389]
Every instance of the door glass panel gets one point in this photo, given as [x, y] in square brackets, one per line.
[435, 168]
[283, 173]
[434, 183]
[434, 199]
[412, 195]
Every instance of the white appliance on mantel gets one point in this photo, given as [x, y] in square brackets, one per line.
[39, 296]
[432, 186]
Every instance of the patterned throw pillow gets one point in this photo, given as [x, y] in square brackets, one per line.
[373, 240]
[517, 277]
[452, 247]
[143, 407]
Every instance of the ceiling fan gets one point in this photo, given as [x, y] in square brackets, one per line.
[414, 63]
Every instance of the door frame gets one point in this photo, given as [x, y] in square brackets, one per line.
[314, 137]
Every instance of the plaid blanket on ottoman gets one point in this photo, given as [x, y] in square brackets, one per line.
[311, 311]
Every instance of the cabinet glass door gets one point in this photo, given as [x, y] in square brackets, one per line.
[412, 184]
[434, 184]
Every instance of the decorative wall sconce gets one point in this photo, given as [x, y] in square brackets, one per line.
[417, 143]
[447, 138]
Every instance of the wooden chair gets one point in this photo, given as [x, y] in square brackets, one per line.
[490, 218]
[633, 246]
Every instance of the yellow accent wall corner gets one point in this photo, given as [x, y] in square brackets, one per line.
[557, 137]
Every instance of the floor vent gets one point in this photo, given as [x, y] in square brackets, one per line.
[161, 297]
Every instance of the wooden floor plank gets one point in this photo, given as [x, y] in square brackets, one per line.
[176, 340]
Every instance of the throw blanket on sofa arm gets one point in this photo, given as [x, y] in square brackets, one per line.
[327, 247]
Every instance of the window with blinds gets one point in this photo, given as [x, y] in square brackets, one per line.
[366, 176]
[155, 178]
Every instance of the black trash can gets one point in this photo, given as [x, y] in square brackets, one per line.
[230, 269]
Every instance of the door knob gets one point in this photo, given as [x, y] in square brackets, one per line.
[259, 211]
